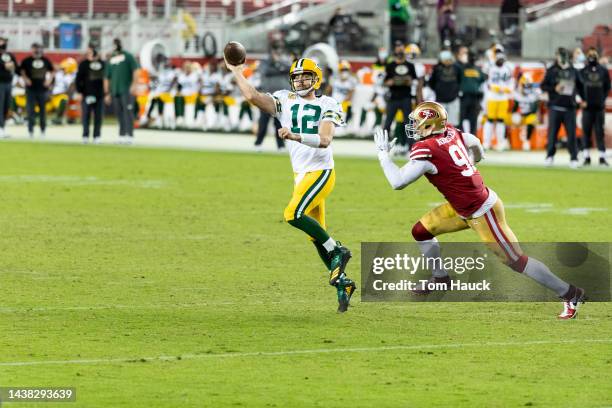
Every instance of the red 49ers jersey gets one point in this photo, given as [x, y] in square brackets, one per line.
[457, 178]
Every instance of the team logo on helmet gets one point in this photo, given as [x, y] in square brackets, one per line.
[428, 114]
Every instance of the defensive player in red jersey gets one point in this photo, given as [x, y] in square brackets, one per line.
[446, 156]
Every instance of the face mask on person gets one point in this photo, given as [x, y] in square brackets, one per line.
[580, 59]
[3, 47]
[563, 59]
[592, 59]
[37, 53]
[117, 46]
[344, 74]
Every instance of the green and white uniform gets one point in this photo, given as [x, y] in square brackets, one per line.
[303, 116]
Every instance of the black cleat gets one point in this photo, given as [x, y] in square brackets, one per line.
[603, 162]
[587, 161]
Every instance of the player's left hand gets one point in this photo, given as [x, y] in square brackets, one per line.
[285, 133]
[381, 138]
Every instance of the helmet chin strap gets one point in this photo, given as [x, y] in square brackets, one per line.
[305, 92]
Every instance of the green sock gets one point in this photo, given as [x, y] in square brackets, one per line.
[379, 117]
[400, 133]
[323, 254]
[363, 117]
[245, 109]
[311, 227]
[61, 109]
[179, 106]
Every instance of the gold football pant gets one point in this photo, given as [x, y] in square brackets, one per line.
[309, 194]
[498, 110]
[491, 227]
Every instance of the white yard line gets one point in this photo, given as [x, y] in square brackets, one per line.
[283, 353]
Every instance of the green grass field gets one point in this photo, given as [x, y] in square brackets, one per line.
[167, 278]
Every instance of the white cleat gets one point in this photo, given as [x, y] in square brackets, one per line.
[574, 164]
[570, 307]
[96, 141]
[548, 162]
[85, 140]
[502, 146]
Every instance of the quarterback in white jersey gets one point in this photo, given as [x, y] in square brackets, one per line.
[308, 124]
[302, 117]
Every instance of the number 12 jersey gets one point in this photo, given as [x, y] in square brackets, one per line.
[303, 117]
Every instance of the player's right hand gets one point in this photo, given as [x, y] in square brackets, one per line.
[233, 68]
[381, 138]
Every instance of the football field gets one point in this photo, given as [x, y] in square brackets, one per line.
[167, 278]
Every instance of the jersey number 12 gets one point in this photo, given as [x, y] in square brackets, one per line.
[310, 119]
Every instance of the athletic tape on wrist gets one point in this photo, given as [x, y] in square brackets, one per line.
[311, 140]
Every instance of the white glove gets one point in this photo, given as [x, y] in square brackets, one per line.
[381, 138]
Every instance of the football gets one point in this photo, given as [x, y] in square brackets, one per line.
[234, 52]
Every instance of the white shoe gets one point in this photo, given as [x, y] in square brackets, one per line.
[43, 135]
[526, 146]
[129, 140]
[258, 148]
[281, 149]
[570, 307]
[574, 164]
[31, 135]
[85, 139]
[501, 146]
[548, 162]
[96, 140]
[121, 140]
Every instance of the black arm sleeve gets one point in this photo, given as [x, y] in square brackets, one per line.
[606, 81]
[79, 81]
[580, 85]
[433, 79]
[548, 84]
[388, 72]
